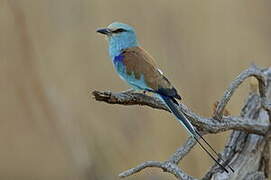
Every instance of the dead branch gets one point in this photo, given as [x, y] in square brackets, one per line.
[209, 125]
[248, 147]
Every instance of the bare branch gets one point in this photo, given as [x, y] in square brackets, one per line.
[252, 71]
[129, 98]
[206, 124]
[241, 144]
[140, 167]
[165, 166]
[183, 150]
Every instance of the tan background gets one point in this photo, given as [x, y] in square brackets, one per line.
[51, 59]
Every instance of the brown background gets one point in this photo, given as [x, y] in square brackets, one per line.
[51, 59]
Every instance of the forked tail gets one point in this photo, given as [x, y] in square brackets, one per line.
[172, 104]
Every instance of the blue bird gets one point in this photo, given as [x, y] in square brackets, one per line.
[136, 67]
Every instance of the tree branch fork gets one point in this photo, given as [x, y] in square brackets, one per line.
[216, 124]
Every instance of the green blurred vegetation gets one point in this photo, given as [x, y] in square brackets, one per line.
[51, 59]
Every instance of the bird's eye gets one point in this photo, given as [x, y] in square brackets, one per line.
[119, 30]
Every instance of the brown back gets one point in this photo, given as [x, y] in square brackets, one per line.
[139, 62]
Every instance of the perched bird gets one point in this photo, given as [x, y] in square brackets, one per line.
[136, 67]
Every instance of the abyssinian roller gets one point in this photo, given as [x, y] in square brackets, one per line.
[138, 68]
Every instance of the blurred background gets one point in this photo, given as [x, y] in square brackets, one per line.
[51, 59]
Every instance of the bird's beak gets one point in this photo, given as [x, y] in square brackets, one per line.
[105, 31]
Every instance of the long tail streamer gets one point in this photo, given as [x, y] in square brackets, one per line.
[173, 106]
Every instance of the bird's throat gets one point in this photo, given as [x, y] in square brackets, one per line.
[118, 44]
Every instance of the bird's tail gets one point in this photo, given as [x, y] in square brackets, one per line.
[172, 104]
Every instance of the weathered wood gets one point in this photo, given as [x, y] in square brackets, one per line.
[247, 150]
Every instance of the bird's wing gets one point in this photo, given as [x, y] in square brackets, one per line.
[140, 64]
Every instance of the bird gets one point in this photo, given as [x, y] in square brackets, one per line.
[138, 68]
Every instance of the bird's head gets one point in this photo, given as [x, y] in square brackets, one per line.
[120, 36]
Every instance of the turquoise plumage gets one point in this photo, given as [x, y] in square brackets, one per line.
[136, 67]
[119, 41]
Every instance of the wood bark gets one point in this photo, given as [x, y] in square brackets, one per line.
[247, 149]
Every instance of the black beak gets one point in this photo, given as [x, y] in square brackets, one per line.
[104, 31]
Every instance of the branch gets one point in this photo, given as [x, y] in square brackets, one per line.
[252, 71]
[165, 166]
[183, 150]
[170, 166]
[140, 167]
[129, 98]
[209, 125]
[254, 119]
